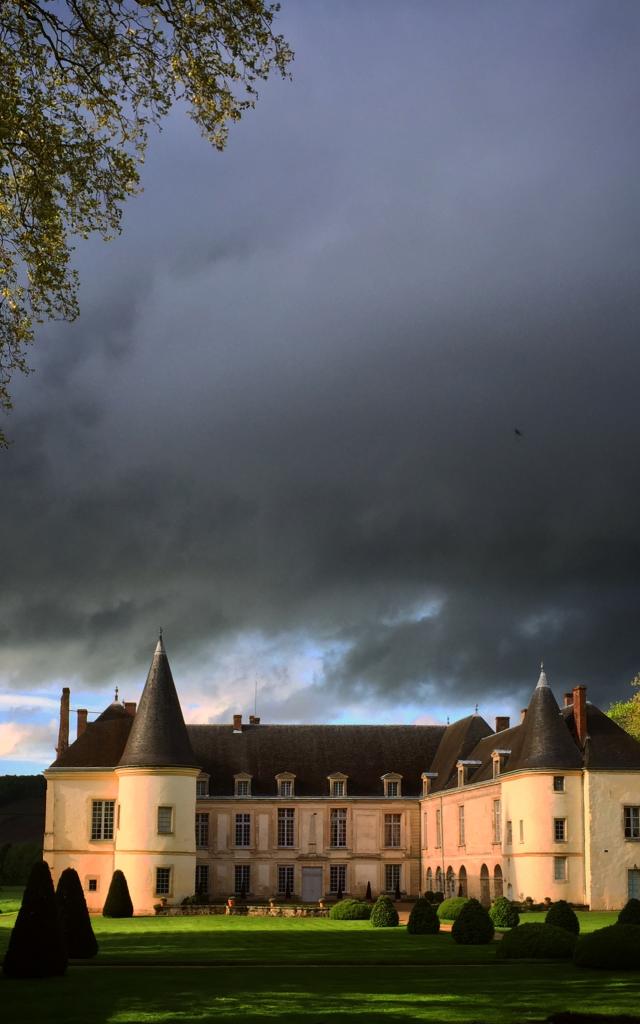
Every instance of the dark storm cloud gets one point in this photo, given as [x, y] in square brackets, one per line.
[289, 406]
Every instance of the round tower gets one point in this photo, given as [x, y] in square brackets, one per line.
[155, 837]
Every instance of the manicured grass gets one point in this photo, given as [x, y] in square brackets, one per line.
[500, 995]
[10, 898]
[589, 920]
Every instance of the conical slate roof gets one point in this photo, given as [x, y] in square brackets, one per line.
[158, 737]
[545, 740]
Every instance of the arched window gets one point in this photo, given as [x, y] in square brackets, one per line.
[439, 886]
[497, 882]
[451, 883]
[462, 882]
[485, 890]
[429, 880]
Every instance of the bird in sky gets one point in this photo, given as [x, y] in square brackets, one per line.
[517, 432]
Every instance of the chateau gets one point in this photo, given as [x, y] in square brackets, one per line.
[549, 807]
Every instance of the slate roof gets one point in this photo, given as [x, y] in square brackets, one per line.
[608, 746]
[158, 737]
[101, 744]
[459, 740]
[545, 740]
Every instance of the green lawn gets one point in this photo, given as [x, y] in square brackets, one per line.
[589, 920]
[10, 898]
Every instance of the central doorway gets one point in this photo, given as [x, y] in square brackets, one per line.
[311, 884]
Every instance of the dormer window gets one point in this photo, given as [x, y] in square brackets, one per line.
[465, 768]
[392, 783]
[285, 781]
[202, 787]
[337, 785]
[242, 784]
[499, 759]
[427, 782]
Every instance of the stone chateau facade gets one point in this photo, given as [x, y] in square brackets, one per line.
[549, 807]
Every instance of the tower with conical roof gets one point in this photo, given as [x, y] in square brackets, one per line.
[155, 839]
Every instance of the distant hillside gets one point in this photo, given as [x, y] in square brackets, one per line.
[22, 799]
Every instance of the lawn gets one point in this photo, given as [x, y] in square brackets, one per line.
[10, 898]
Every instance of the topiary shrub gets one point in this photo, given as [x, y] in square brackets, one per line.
[473, 926]
[350, 910]
[384, 914]
[423, 919]
[630, 913]
[449, 909]
[74, 916]
[368, 894]
[504, 914]
[536, 942]
[614, 948]
[36, 946]
[118, 902]
[561, 915]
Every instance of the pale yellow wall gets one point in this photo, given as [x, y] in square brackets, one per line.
[67, 838]
[610, 855]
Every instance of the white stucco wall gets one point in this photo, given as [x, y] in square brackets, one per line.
[610, 855]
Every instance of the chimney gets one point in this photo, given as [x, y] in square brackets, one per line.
[237, 723]
[254, 720]
[568, 699]
[130, 707]
[580, 712]
[82, 721]
[523, 715]
[502, 722]
[63, 732]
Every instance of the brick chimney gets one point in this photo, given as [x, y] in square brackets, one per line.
[502, 722]
[580, 712]
[568, 699]
[254, 720]
[130, 707]
[63, 731]
[237, 723]
[82, 721]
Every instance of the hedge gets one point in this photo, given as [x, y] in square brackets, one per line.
[614, 948]
[449, 909]
[561, 915]
[74, 916]
[118, 902]
[630, 913]
[423, 919]
[350, 910]
[384, 914]
[473, 926]
[536, 942]
[36, 945]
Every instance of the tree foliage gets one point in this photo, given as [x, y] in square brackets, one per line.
[626, 713]
[81, 82]
[36, 946]
[74, 916]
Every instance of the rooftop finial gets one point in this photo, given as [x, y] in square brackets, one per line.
[159, 645]
[160, 634]
[542, 681]
[116, 696]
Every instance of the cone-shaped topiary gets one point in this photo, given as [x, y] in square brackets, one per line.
[473, 926]
[423, 919]
[561, 915]
[384, 914]
[504, 914]
[368, 895]
[74, 916]
[118, 902]
[36, 946]
[630, 913]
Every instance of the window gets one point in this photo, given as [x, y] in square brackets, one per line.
[497, 822]
[391, 877]
[242, 873]
[338, 827]
[337, 787]
[509, 838]
[243, 787]
[202, 829]
[202, 878]
[243, 830]
[392, 829]
[461, 825]
[285, 879]
[392, 788]
[202, 788]
[559, 830]
[102, 819]
[521, 830]
[337, 878]
[285, 826]
[285, 787]
[92, 884]
[165, 821]
[559, 869]
[438, 829]
[558, 783]
[163, 881]
[429, 880]
[632, 823]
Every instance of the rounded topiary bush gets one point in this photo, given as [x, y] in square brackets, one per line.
[118, 902]
[504, 914]
[473, 926]
[614, 948]
[74, 916]
[384, 914]
[536, 942]
[350, 910]
[630, 913]
[423, 919]
[449, 909]
[36, 945]
[561, 915]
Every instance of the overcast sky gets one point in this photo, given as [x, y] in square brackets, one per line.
[284, 426]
